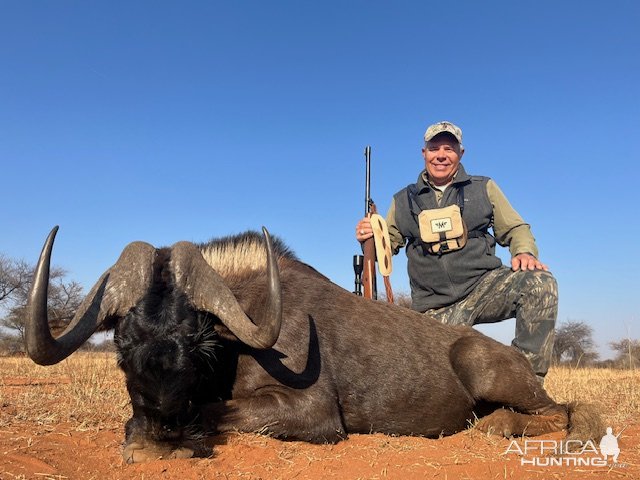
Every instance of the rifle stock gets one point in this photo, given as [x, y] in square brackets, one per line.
[369, 270]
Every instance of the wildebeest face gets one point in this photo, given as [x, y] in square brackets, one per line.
[163, 368]
[160, 380]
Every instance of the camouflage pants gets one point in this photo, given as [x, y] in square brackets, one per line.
[530, 296]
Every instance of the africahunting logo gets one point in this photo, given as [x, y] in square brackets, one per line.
[569, 453]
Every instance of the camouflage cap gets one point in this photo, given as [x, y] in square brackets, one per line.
[441, 127]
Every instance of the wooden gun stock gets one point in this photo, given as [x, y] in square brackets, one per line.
[369, 267]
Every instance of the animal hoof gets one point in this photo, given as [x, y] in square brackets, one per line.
[137, 452]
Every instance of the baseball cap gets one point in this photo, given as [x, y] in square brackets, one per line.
[441, 127]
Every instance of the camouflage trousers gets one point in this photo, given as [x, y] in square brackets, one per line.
[530, 296]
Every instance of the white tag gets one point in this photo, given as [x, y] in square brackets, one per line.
[439, 225]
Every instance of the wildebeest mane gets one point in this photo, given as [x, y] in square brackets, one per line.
[244, 254]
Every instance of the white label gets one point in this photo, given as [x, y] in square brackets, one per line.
[440, 225]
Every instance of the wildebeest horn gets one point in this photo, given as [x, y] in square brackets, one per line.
[206, 290]
[115, 293]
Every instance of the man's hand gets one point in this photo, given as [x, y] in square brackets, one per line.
[364, 230]
[526, 261]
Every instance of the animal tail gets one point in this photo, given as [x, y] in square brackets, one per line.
[585, 422]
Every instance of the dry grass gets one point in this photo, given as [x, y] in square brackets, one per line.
[87, 391]
[615, 392]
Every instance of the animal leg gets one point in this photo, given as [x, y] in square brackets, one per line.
[497, 374]
[281, 413]
[507, 423]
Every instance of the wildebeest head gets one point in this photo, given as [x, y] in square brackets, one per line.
[163, 304]
[165, 348]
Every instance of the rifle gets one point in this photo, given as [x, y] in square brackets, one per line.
[364, 266]
[369, 247]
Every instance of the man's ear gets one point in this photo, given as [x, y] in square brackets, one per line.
[461, 150]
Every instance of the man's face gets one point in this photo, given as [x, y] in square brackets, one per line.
[442, 156]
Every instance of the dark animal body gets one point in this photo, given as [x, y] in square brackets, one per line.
[231, 335]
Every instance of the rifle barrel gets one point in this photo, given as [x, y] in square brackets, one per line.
[367, 183]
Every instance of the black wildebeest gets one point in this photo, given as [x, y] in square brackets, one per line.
[237, 334]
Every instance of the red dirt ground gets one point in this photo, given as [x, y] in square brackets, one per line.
[29, 450]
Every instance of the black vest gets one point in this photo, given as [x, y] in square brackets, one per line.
[440, 280]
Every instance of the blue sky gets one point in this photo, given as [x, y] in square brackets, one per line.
[166, 121]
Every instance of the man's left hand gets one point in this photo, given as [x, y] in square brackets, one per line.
[526, 261]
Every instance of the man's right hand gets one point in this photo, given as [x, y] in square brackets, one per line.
[364, 230]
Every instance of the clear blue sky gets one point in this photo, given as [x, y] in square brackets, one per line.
[166, 121]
